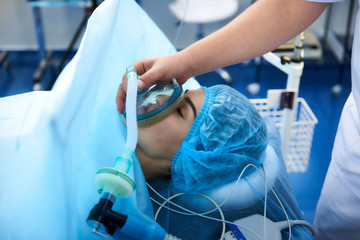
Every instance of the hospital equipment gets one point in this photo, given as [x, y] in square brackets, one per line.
[312, 50]
[340, 52]
[292, 115]
[46, 56]
[3, 59]
[157, 101]
[56, 141]
[257, 223]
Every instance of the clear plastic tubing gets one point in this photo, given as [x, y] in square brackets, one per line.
[124, 161]
[130, 105]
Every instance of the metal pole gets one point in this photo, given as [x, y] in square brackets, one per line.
[82, 25]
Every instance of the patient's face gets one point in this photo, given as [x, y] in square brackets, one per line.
[163, 139]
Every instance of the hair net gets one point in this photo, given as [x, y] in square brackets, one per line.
[227, 134]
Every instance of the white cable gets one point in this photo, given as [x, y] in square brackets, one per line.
[215, 219]
[180, 194]
[265, 203]
[287, 217]
[200, 194]
[201, 215]
[181, 23]
[302, 222]
[226, 199]
[283, 208]
[233, 189]
[283, 225]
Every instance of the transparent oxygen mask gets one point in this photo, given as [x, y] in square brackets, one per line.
[157, 101]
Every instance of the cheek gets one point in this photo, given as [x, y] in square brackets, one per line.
[163, 139]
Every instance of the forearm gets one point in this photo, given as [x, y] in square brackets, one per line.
[261, 28]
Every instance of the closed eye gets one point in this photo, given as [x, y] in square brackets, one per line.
[179, 112]
[188, 100]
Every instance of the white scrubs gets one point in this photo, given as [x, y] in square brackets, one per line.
[338, 211]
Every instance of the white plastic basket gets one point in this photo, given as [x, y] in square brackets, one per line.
[297, 159]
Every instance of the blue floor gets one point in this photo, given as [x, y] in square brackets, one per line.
[315, 88]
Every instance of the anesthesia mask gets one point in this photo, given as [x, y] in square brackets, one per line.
[157, 101]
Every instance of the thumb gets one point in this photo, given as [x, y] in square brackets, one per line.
[141, 84]
[146, 79]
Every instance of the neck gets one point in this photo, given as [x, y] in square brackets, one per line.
[151, 167]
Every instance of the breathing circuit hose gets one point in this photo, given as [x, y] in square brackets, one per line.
[124, 162]
[130, 105]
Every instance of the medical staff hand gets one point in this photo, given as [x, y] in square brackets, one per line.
[151, 69]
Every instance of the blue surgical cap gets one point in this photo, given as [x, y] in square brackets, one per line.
[227, 134]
